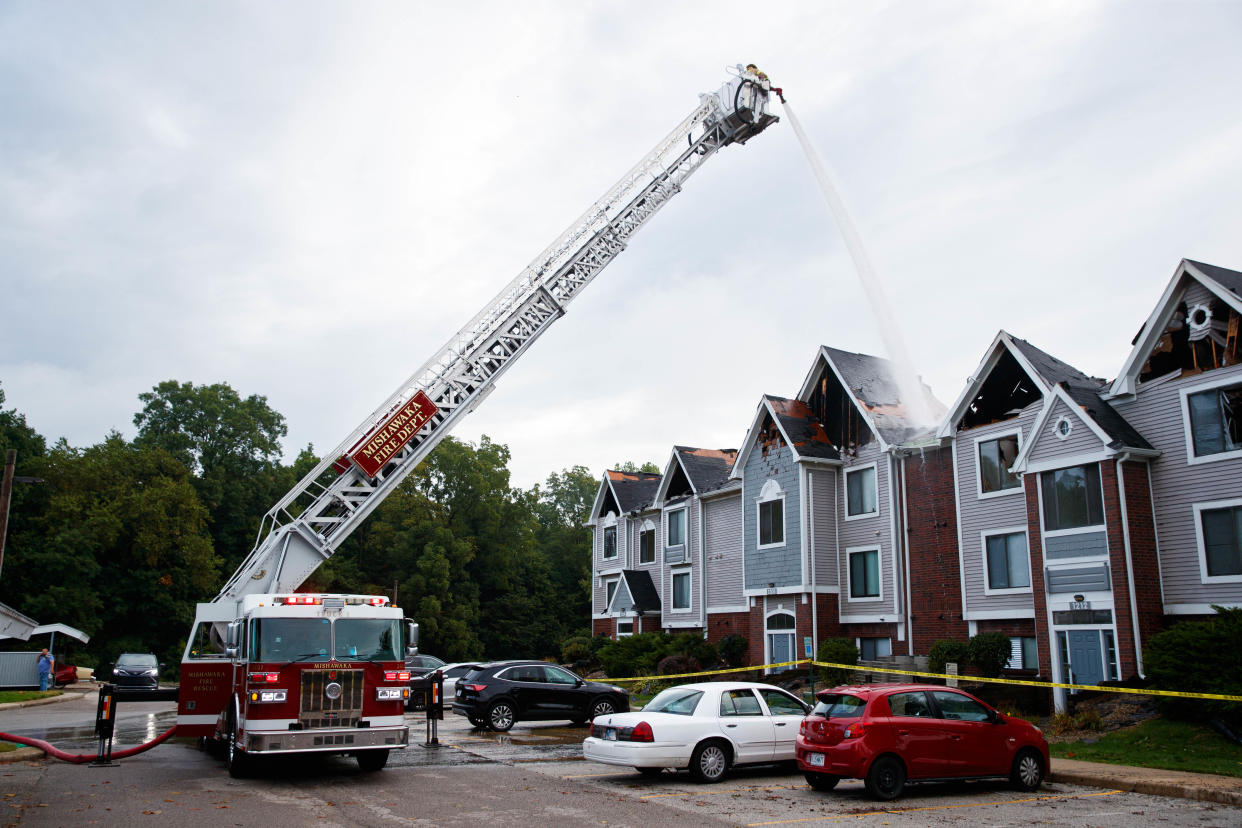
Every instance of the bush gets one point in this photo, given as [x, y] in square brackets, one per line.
[989, 652]
[672, 665]
[576, 650]
[733, 649]
[640, 655]
[1198, 657]
[947, 651]
[837, 651]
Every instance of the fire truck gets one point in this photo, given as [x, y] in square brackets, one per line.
[268, 670]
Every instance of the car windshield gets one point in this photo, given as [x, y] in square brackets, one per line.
[838, 706]
[428, 661]
[678, 700]
[290, 639]
[369, 639]
[137, 660]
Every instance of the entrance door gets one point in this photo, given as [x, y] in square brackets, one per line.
[1086, 663]
[781, 643]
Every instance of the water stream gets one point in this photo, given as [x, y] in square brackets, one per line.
[912, 396]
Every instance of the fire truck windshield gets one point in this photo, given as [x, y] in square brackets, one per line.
[371, 639]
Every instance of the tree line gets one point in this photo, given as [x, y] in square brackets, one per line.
[122, 538]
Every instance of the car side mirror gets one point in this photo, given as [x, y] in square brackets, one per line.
[411, 638]
[230, 652]
[997, 718]
[579, 682]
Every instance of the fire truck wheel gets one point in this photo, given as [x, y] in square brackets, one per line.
[371, 760]
[500, 716]
[238, 762]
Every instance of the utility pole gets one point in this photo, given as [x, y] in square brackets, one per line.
[6, 491]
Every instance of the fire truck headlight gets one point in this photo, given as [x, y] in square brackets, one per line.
[389, 693]
[268, 695]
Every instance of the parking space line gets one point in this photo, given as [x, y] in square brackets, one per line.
[715, 792]
[893, 811]
[590, 775]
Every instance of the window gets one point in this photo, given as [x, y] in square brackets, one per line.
[860, 494]
[1063, 428]
[681, 591]
[610, 541]
[557, 675]
[676, 528]
[1221, 540]
[995, 458]
[1072, 498]
[865, 574]
[1215, 420]
[962, 708]
[781, 703]
[610, 589]
[646, 546]
[739, 703]
[869, 649]
[910, 704]
[1008, 565]
[1023, 654]
[625, 629]
[772, 523]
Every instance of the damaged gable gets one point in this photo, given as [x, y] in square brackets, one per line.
[780, 422]
[695, 471]
[1194, 328]
[621, 492]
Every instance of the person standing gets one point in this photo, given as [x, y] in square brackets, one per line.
[46, 663]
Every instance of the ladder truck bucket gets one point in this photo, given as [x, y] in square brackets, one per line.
[743, 104]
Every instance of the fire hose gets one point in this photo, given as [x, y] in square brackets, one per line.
[83, 758]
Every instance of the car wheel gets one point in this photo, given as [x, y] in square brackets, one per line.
[886, 779]
[236, 759]
[500, 716]
[709, 762]
[650, 771]
[602, 707]
[821, 781]
[372, 760]
[1028, 770]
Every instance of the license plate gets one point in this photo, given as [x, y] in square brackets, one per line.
[610, 735]
[816, 759]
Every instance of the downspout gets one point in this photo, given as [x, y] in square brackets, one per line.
[1125, 535]
[810, 522]
[702, 569]
[905, 540]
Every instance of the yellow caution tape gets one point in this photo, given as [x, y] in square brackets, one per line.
[854, 667]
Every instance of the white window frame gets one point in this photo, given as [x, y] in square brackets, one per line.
[609, 522]
[612, 581]
[983, 543]
[616, 546]
[770, 493]
[849, 580]
[1185, 393]
[647, 526]
[1015, 643]
[626, 620]
[1069, 427]
[674, 574]
[858, 640]
[1102, 526]
[1201, 545]
[979, 492]
[685, 526]
[768, 633]
[845, 485]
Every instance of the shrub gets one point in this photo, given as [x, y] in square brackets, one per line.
[576, 650]
[989, 652]
[947, 651]
[640, 655]
[733, 649]
[837, 651]
[672, 665]
[1198, 657]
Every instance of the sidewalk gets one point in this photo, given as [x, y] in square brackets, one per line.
[1227, 790]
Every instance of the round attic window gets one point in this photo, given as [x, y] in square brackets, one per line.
[1063, 428]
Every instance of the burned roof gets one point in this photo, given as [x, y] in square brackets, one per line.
[1050, 369]
[802, 429]
[642, 590]
[1231, 279]
[708, 469]
[1122, 434]
[871, 381]
[633, 490]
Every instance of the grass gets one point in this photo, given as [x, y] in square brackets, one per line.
[1160, 743]
[5, 747]
[7, 696]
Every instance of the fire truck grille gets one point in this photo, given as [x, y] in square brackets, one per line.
[318, 709]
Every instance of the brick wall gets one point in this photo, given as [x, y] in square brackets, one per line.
[1035, 544]
[1118, 570]
[935, 569]
[1143, 556]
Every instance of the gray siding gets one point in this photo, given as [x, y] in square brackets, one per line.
[636, 527]
[826, 498]
[1156, 412]
[872, 531]
[1075, 546]
[1093, 578]
[980, 514]
[723, 556]
[623, 601]
[1081, 440]
[691, 564]
[780, 565]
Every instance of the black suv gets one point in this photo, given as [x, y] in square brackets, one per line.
[421, 667]
[499, 694]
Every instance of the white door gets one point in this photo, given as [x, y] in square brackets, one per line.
[743, 721]
[786, 713]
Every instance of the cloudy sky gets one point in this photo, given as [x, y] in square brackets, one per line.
[306, 199]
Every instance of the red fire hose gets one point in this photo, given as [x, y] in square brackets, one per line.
[83, 758]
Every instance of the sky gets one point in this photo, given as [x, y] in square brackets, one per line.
[305, 200]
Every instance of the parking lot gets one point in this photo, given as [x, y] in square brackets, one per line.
[533, 775]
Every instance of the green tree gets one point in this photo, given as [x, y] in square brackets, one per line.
[562, 506]
[230, 444]
[630, 466]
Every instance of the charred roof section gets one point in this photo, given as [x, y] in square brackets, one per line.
[632, 490]
[869, 382]
[1006, 391]
[799, 423]
[707, 469]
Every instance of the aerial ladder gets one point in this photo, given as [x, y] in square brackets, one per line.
[314, 518]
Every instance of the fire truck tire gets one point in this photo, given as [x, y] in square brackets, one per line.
[239, 763]
[372, 760]
[500, 716]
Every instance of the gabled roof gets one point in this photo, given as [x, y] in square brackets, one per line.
[1083, 399]
[14, 624]
[642, 590]
[1044, 370]
[1224, 283]
[631, 490]
[870, 382]
[706, 469]
[803, 434]
[1050, 369]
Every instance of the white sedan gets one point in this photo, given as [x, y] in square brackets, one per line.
[705, 728]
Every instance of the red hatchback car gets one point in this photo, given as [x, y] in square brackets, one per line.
[888, 734]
